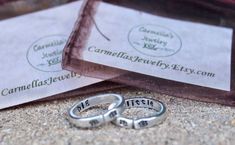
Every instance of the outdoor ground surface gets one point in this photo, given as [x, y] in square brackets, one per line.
[188, 123]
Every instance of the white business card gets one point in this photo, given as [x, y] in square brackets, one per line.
[187, 52]
[31, 52]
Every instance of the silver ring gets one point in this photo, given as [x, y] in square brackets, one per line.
[145, 122]
[115, 109]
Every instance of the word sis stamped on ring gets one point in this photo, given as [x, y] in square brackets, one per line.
[31, 52]
[114, 112]
[115, 109]
[134, 41]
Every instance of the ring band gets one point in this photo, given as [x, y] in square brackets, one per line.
[115, 109]
[145, 122]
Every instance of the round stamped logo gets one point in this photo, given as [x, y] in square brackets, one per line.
[154, 40]
[46, 53]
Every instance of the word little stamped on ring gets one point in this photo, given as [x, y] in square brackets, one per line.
[142, 122]
[115, 110]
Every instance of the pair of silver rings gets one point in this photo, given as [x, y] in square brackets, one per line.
[115, 110]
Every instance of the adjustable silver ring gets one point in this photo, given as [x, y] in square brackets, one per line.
[115, 109]
[144, 122]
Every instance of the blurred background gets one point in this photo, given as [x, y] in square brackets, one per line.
[219, 12]
[11, 8]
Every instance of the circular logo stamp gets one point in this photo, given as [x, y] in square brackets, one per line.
[46, 53]
[154, 40]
